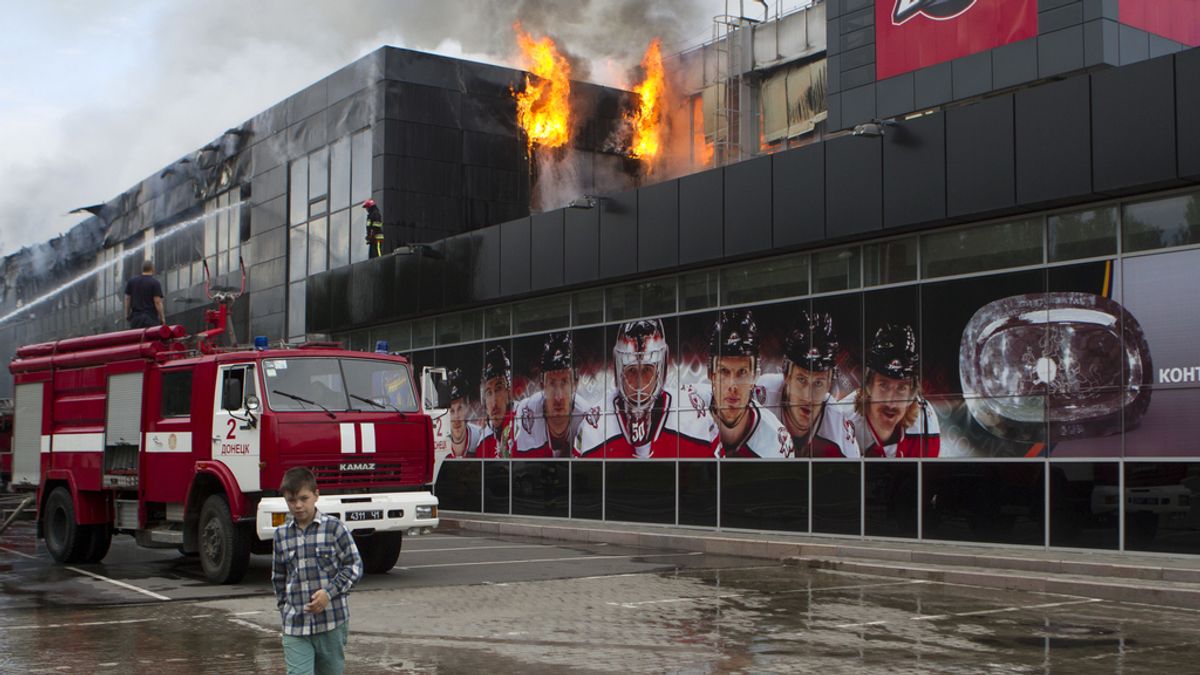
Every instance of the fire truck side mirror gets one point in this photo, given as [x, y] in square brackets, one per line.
[252, 403]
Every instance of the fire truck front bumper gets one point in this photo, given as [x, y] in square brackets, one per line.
[412, 513]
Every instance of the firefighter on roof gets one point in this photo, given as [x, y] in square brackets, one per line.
[374, 229]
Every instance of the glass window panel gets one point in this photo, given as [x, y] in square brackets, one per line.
[298, 260]
[228, 261]
[542, 314]
[1083, 234]
[836, 270]
[210, 234]
[1174, 221]
[318, 238]
[459, 327]
[698, 290]
[497, 321]
[298, 191]
[360, 167]
[399, 336]
[890, 262]
[980, 248]
[339, 240]
[358, 232]
[422, 333]
[318, 174]
[764, 280]
[646, 298]
[339, 174]
[295, 319]
[588, 308]
[318, 208]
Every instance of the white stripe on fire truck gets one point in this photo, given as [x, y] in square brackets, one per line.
[45, 443]
[368, 437]
[78, 443]
[349, 442]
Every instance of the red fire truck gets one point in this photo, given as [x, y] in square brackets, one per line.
[6, 415]
[182, 444]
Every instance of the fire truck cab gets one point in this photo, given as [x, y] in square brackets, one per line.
[133, 433]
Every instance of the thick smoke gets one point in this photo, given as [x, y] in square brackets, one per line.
[202, 67]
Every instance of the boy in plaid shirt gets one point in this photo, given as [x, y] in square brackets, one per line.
[316, 563]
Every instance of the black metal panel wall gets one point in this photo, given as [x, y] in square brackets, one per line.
[1133, 126]
[546, 256]
[853, 194]
[798, 196]
[514, 257]
[914, 169]
[1187, 111]
[581, 241]
[486, 272]
[748, 206]
[980, 157]
[618, 234]
[658, 226]
[701, 210]
[407, 276]
[1054, 141]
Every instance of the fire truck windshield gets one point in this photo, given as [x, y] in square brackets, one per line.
[336, 384]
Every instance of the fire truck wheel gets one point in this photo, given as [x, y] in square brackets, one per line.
[380, 551]
[100, 539]
[224, 546]
[66, 540]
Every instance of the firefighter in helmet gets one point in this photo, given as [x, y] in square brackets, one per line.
[374, 229]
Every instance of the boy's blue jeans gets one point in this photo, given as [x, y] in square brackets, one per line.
[320, 654]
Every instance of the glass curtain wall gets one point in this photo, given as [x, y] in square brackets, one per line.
[1026, 382]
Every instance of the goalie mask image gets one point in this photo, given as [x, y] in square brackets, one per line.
[744, 429]
[640, 364]
[891, 418]
[640, 416]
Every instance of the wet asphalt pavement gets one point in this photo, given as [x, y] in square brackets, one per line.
[459, 603]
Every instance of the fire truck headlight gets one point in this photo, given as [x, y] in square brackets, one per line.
[426, 511]
[278, 519]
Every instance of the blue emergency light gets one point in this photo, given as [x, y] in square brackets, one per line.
[260, 342]
[381, 346]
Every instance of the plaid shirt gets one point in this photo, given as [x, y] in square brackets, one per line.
[323, 555]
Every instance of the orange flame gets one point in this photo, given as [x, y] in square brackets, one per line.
[702, 148]
[647, 119]
[544, 107]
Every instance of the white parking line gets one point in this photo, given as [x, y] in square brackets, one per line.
[539, 560]
[472, 548]
[120, 584]
[114, 582]
[39, 626]
[981, 612]
[723, 596]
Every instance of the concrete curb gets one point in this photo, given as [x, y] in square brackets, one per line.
[1122, 582]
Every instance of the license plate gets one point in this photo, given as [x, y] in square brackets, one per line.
[364, 515]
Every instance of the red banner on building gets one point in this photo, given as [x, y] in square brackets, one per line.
[912, 34]
[1177, 20]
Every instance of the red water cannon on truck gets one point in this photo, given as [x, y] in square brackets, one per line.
[183, 444]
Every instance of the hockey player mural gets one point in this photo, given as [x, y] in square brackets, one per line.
[548, 421]
[891, 418]
[804, 395]
[744, 428]
[496, 393]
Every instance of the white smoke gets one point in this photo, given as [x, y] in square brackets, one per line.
[166, 78]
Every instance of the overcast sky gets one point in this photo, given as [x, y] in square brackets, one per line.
[96, 95]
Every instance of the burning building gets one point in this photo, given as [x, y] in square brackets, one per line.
[990, 229]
